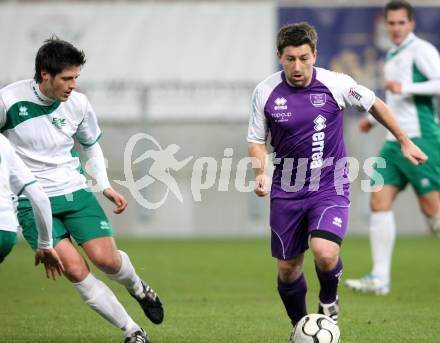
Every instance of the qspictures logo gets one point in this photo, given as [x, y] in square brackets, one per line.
[159, 164]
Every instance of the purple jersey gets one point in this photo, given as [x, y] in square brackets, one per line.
[306, 130]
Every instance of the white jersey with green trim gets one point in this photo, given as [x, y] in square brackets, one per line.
[43, 132]
[14, 177]
[415, 63]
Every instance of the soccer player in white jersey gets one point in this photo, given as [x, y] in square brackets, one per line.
[42, 118]
[412, 78]
[16, 178]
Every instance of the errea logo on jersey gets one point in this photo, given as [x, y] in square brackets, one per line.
[23, 111]
[318, 142]
[280, 104]
[319, 123]
[58, 122]
[337, 221]
[104, 225]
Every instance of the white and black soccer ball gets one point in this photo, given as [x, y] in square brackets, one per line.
[316, 328]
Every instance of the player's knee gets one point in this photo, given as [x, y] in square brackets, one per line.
[289, 272]
[326, 260]
[108, 264]
[76, 271]
[429, 209]
[379, 205]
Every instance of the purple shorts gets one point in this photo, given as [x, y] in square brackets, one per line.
[293, 220]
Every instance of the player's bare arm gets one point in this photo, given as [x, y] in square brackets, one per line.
[383, 114]
[116, 198]
[394, 87]
[259, 152]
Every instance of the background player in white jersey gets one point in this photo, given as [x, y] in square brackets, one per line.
[16, 178]
[412, 78]
[42, 118]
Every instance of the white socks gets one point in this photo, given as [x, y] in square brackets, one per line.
[100, 298]
[382, 236]
[434, 223]
[127, 275]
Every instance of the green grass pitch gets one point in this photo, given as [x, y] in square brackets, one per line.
[223, 291]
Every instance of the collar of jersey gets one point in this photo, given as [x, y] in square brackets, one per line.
[40, 96]
[398, 48]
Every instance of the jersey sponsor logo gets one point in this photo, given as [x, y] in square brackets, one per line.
[318, 100]
[318, 142]
[280, 117]
[23, 111]
[280, 104]
[58, 122]
[354, 94]
[337, 221]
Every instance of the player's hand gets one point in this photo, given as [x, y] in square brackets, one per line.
[261, 185]
[51, 261]
[413, 153]
[394, 87]
[117, 199]
[364, 124]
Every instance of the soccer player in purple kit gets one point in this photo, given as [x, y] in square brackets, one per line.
[302, 109]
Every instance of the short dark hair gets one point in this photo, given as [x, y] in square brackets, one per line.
[297, 35]
[395, 5]
[55, 55]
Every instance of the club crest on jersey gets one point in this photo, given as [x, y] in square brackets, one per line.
[58, 122]
[280, 104]
[318, 100]
[23, 111]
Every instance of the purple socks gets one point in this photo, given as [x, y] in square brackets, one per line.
[329, 283]
[294, 298]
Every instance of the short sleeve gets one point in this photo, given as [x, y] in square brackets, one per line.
[258, 129]
[88, 132]
[356, 95]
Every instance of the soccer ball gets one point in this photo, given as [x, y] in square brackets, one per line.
[316, 328]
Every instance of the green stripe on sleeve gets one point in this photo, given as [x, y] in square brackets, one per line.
[94, 142]
[28, 184]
